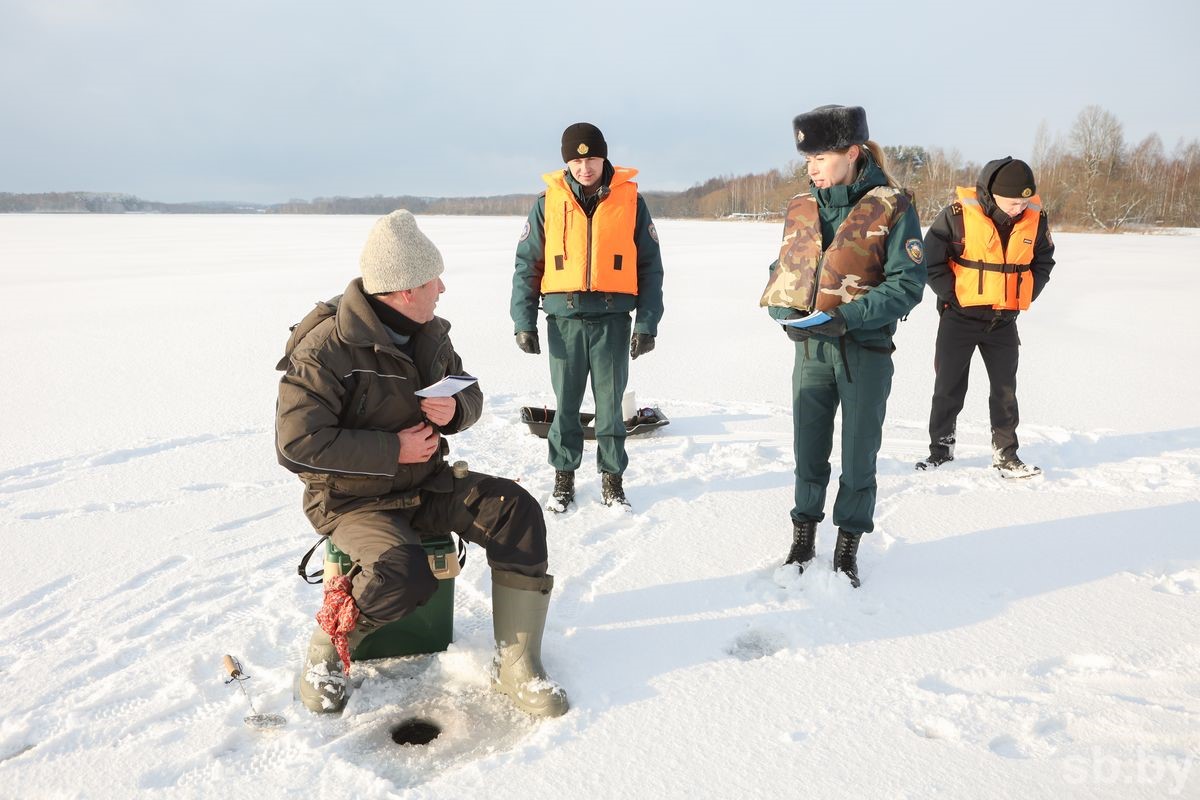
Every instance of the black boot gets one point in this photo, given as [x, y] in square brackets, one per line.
[845, 555]
[564, 490]
[934, 460]
[804, 543]
[611, 490]
[1013, 467]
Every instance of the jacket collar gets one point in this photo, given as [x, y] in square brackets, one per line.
[611, 177]
[358, 325]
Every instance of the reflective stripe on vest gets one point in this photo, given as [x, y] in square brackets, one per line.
[987, 273]
[591, 255]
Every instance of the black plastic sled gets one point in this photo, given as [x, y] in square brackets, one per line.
[539, 419]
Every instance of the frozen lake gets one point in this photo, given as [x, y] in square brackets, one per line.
[1033, 639]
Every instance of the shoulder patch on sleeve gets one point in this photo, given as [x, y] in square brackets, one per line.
[653, 232]
[914, 249]
[524, 232]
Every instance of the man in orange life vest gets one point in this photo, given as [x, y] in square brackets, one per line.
[989, 256]
[590, 252]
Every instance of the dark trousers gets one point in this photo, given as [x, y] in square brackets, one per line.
[999, 344]
[391, 574]
[824, 378]
[598, 347]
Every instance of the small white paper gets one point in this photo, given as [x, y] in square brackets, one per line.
[447, 386]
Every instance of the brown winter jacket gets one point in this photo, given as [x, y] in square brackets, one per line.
[346, 391]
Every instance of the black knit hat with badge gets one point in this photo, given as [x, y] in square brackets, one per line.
[583, 140]
[830, 128]
[1014, 179]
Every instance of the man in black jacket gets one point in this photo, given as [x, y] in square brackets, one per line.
[988, 256]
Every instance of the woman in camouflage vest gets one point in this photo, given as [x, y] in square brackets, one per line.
[849, 268]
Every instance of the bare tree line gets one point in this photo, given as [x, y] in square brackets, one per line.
[1089, 178]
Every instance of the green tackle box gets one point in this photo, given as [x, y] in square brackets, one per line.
[429, 628]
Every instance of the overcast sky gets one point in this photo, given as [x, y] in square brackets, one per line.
[266, 100]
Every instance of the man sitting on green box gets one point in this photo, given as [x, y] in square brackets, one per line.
[371, 454]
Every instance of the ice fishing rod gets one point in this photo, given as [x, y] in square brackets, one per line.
[255, 720]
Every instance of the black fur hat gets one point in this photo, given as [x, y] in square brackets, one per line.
[830, 128]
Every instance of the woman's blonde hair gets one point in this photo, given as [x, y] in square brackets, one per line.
[875, 152]
[880, 158]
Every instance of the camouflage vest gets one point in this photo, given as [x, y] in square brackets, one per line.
[808, 279]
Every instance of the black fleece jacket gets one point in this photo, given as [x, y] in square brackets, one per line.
[945, 238]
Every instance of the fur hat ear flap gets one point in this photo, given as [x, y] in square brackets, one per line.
[830, 128]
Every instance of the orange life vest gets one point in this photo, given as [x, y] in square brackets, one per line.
[988, 273]
[596, 254]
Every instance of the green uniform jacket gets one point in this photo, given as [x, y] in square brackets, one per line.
[346, 391]
[871, 319]
[531, 263]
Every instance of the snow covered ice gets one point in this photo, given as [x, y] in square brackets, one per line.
[1033, 639]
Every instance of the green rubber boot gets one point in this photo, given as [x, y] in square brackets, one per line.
[324, 684]
[519, 606]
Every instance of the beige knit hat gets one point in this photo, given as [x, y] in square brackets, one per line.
[398, 256]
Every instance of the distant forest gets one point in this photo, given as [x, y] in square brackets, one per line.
[1089, 179]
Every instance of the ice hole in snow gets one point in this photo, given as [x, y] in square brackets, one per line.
[415, 732]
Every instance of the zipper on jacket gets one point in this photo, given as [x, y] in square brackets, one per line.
[812, 304]
[437, 357]
[601, 194]
[587, 264]
[566, 211]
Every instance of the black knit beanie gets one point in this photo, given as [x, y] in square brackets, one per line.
[583, 140]
[1014, 179]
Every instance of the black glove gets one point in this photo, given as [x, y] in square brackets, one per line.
[791, 331]
[795, 334]
[835, 327]
[528, 342]
[640, 344]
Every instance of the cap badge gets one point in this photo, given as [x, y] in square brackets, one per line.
[1026, 192]
[582, 149]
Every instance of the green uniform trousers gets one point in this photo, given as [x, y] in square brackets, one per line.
[578, 346]
[820, 383]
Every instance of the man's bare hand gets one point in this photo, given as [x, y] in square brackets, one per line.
[418, 443]
[439, 410]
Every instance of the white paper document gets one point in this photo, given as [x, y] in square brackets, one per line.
[447, 386]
